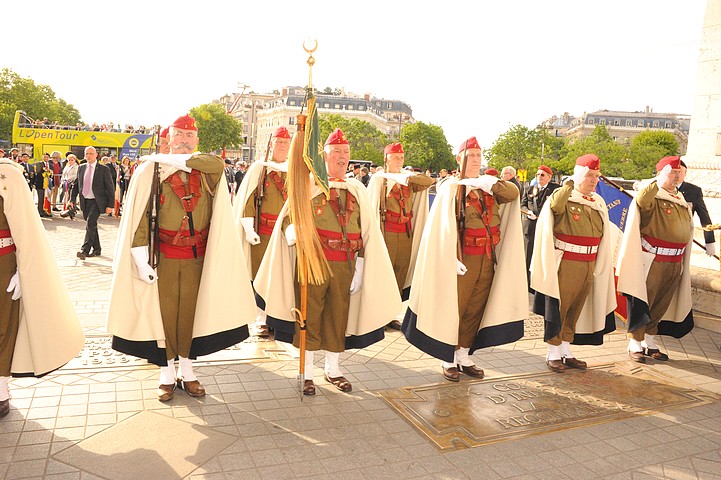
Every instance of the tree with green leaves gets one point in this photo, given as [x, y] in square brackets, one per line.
[600, 143]
[426, 146]
[37, 101]
[217, 130]
[525, 149]
[366, 141]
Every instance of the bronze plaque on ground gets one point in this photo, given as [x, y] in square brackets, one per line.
[479, 412]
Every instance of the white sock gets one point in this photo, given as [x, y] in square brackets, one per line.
[167, 374]
[566, 350]
[554, 352]
[4, 389]
[332, 369]
[185, 369]
[649, 342]
[634, 346]
[455, 362]
[260, 318]
[463, 359]
[309, 365]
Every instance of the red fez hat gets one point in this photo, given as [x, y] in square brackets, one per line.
[589, 160]
[544, 168]
[393, 148]
[164, 132]
[674, 161]
[470, 143]
[281, 132]
[186, 122]
[336, 138]
[491, 171]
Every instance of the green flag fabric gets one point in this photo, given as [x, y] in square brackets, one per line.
[313, 147]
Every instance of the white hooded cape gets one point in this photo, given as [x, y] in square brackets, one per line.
[247, 188]
[418, 222]
[370, 309]
[431, 321]
[134, 314]
[597, 317]
[633, 266]
[49, 334]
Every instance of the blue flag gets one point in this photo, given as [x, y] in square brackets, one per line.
[618, 203]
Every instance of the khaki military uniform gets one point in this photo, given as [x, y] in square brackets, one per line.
[475, 286]
[9, 309]
[179, 278]
[669, 222]
[274, 195]
[329, 303]
[576, 224]
[398, 232]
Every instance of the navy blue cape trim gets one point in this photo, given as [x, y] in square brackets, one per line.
[549, 307]
[498, 335]
[149, 350]
[423, 342]
[406, 294]
[639, 316]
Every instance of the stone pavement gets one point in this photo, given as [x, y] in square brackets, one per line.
[106, 423]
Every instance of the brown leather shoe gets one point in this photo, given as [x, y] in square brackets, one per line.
[471, 371]
[308, 388]
[81, 255]
[166, 392]
[575, 363]
[192, 388]
[394, 325]
[637, 356]
[556, 365]
[451, 374]
[656, 354]
[4, 408]
[341, 383]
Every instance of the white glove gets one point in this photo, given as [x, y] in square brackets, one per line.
[484, 182]
[662, 176]
[251, 236]
[460, 268]
[531, 216]
[14, 286]
[290, 235]
[355, 284]
[579, 175]
[176, 160]
[710, 248]
[145, 271]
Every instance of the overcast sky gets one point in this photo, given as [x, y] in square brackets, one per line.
[475, 68]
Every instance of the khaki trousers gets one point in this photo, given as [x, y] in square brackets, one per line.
[327, 314]
[178, 285]
[575, 280]
[473, 290]
[9, 313]
[661, 283]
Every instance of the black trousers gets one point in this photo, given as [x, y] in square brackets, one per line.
[41, 199]
[91, 212]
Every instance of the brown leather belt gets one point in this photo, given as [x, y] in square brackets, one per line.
[183, 240]
[341, 244]
[470, 241]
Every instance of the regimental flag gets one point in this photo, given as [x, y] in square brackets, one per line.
[313, 148]
[618, 203]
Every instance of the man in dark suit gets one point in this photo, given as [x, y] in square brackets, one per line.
[96, 186]
[42, 170]
[694, 196]
[531, 203]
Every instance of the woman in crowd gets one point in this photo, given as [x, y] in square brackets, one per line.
[67, 181]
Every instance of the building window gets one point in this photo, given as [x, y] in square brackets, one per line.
[640, 123]
[655, 124]
[291, 121]
[326, 105]
[616, 123]
[667, 125]
[350, 106]
[629, 123]
[292, 103]
[590, 121]
[602, 121]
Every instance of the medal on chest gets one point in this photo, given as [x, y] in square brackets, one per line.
[668, 208]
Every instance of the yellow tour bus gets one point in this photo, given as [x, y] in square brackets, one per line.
[36, 139]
